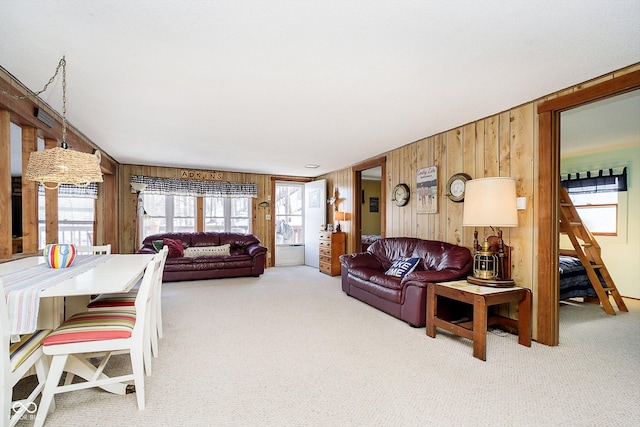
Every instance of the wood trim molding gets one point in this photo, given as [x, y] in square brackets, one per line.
[6, 243]
[29, 195]
[606, 89]
[356, 234]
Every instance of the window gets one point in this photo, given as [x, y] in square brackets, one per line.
[170, 205]
[168, 213]
[595, 197]
[183, 213]
[76, 214]
[598, 211]
[289, 213]
[227, 214]
[177, 213]
[75, 220]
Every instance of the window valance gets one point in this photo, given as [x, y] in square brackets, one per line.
[196, 188]
[599, 182]
[69, 190]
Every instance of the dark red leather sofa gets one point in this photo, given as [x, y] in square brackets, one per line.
[246, 255]
[364, 278]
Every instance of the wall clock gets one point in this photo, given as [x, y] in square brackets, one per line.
[456, 186]
[401, 194]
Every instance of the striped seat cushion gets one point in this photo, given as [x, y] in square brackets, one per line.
[93, 326]
[125, 299]
[21, 350]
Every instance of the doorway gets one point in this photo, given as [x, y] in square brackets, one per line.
[548, 190]
[369, 203]
[289, 223]
[601, 139]
[370, 223]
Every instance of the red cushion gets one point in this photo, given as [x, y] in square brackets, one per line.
[176, 250]
[93, 326]
[114, 300]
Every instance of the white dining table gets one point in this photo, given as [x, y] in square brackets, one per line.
[119, 273]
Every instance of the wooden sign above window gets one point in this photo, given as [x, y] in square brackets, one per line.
[200, 175]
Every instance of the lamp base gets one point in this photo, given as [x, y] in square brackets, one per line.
[495, 283]
[497, 246]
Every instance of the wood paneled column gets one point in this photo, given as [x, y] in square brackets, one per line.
[51, 205]
[29, 194]
[6, 245]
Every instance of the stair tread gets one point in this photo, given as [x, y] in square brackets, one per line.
[585, 251]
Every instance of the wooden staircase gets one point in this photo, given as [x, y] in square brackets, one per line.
[588, 251]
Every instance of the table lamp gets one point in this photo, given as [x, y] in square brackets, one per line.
[339, 216]
[490, 202]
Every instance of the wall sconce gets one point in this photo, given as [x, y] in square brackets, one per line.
[491, 202]
[334, 200]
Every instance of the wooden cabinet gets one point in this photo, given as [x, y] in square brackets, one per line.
[332, 245]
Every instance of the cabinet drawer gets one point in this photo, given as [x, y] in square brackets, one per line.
[325, 235]
[331, 246]
[325, 268]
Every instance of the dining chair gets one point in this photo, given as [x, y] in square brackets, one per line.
[17, 359]
[125, 301]
[94, 250]
[86, 334]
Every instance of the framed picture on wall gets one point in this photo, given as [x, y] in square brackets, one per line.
[374, 203]
[427, 186]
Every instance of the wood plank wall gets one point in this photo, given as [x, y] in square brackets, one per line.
[504, 144]
[500, 145]
[262, 227]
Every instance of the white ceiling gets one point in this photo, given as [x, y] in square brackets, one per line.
[269, 86]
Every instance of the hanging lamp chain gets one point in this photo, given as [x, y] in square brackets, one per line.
[62, 64]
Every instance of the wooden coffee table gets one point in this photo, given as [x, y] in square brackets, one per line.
[481, 297]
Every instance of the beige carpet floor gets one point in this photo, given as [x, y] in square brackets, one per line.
[291, 349]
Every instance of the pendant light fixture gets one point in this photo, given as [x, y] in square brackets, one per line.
[62, 165]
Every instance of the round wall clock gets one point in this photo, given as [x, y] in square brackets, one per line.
[401, 194]
[456, 186]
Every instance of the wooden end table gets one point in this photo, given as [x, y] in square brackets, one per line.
[481, 297]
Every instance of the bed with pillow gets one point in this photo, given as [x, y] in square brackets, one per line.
[368, 239]
[574, 282]
[208, 255]
[393, 274]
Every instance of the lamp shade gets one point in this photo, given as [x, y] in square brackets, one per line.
[138, 186]
[490, 202]
[63, 166]
[340, 216]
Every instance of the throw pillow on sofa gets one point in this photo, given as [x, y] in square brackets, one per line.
[222, 250]
[176, 250]
[402, 266]
[158, 245]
